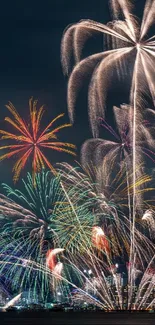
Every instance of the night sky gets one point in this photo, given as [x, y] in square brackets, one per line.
[30, 38]
[30, 65]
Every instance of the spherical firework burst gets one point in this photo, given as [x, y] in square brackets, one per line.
[31, 140]
[50, 210]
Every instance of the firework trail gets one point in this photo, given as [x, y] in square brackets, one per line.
[30, 140]
[129, 40]
[22, 263]
[117, 154]
[149, 219]
[100, 283]
[126, 41]
[105, 284]
[109, 202]
[108, 216]
[27, 230]
[30, 272]
[12, 302]
[104, 182]
[92, 231]
[38, 220]
[91, 186]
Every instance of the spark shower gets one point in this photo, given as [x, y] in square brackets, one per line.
[62, 235]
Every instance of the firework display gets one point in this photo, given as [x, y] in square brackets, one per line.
[126, 40]
[91, 232]
[84, 233]
[31, 140]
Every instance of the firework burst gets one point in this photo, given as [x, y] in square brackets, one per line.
[28, 235]
[66, 211]
[114, 156]
[108, 199]
[31, 140]
[126, 41]
[33, 225]
[56, 214]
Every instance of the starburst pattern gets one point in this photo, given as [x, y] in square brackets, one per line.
[31, 140]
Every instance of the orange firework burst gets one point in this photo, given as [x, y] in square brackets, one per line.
[30, 140]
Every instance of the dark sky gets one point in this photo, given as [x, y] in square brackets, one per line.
[30, 37]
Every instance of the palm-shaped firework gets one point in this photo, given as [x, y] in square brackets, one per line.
[128, 41]
[31, 140]
[115, 155]
[68, 227]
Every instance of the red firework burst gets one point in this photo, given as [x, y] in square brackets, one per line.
[31, 140]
